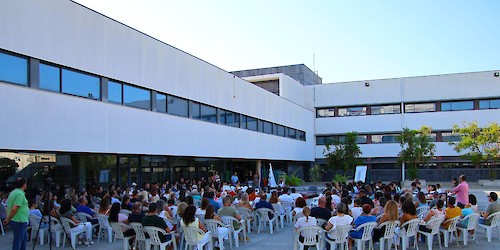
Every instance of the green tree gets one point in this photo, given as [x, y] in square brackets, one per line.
[315, 173]
[479, 145]
[7, 168]
[344, 154]
[417, 148]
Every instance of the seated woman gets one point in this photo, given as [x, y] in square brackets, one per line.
[422, 201]
[362, 219]
[116, 216]
[202, 209]
[65, 211]
[33, 205]
[435, 212]
[300, 203]
[306, 221]
[341, 219]
[390, 214]
[211, 215]
[104, 207]
[189, 220]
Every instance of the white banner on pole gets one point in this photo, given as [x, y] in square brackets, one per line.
[360, 174]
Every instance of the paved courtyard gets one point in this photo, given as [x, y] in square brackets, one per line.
[283, 239]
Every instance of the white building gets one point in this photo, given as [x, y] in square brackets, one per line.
[115, 105]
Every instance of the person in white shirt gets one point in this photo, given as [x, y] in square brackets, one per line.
[285, 197]
[306, 221]
[294, 195]
[357, 210]
[335, 198]
[342, 219]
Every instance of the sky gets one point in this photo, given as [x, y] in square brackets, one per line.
[340, 40]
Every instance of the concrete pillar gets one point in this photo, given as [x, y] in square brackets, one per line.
[81, 172]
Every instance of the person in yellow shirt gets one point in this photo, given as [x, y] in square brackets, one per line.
[451, 211]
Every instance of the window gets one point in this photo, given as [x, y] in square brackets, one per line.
[243, 121]
[268, 128]
[115, 92]
[386, 109]
[236, 121]
[80, 84]
[13, 69]
[260, 126]
[194, 110]
[281, 130]
[136, 97]
[352, 111]
[455, 106]
[222, 116]
[208, 113]
[489, 104]
[361, 139]
[161, 103]
[420, 107]
[323, 140]
[432, 137]
[292, 133]
[251, 123]
[301, 135]
[325, 112]
[229, 118]
[177, 106]
[450, 137]
[49, 77]
[386, 138]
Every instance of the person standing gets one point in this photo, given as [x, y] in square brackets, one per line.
[462, 192]
[18, 214]
[234, 179]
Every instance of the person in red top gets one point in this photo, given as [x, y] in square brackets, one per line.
[252, 195]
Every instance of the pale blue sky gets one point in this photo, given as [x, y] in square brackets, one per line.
[351, 40]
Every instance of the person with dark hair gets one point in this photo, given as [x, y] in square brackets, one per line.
[362, 219]
[18, 214]
[357, 210]
[365, 199]
[451, 211]
[493, 207]
[137, 215]
[294, 195]
[65, 211]
[435, 198]
[153, 220]
[472, 203]
[190, 220]
[461, 191]
[116, 216]
[422, 201]
[409, 212]
[203, 207]
[435, 212]
[300, 203]
[210, 196]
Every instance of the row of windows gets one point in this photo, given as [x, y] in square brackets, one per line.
[444, 136]
[15, 69]
[408, 108]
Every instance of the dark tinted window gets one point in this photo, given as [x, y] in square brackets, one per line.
[80, 84]
[208, 113]
[194, 110]
[251, 123]
[489, 104]
[455, 106]
[268, 127]
[136, 97]
[177, 106]
[50, 77]
[115, 92]
[229, 118]
[260, 126]
[281, 130]
[292, 133]
[450, 137]
[301, 135]
[222, 116]
[161, 103]
[323, 140]
[13, 69]
[236, 121]
[244, 121]
[359, 139]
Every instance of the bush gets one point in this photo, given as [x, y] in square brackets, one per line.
[316, 172]
[340, 178]
[293, 180]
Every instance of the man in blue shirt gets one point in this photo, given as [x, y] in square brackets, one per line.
[234, 179]
[210, 196]
[85, 209]
[263, 203]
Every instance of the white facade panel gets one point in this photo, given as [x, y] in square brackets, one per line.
[360, 124]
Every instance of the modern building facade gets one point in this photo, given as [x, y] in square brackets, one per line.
[113, 105]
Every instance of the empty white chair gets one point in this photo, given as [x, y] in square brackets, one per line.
[407, 230]
[432, 224]
[220, 231]
[117, 228]
[471, 221]
[278, 208]
[338, 235]
[452, 230]
[154, 236]
[366, 236]
[70, 229]
[104, 227]
[288, 206]
[191, 236]
[390, 227]
[229, 223]
[495, 218]
[35, 228]
[310, 235]
[264, 217]
[140, 236]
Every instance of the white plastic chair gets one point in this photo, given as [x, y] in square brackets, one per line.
[366, 236]
[495, 217]
[423, 211]
[154, 236]
[407, 230]
[288, 210]
[433, 224]
[57, 229]
[104, 227]
[117, 229]
[213, 226]
[229, 223]
[452, 230]
[246, 215]
[125, 212]
[339, 235]
[311, 237]
[85, 217]
[321, 222]
[35, 227]
[191, 236]
[264, 218]
[278, 208]
[67, 225]
[390, 227]
[297, 216]
[140, 236]
[471, 225]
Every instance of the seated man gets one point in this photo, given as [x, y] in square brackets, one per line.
[137, 215]
[228, 210]
[493, 207]
[83, 208]
[263, 203]
[321, 211]
[153, 220]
